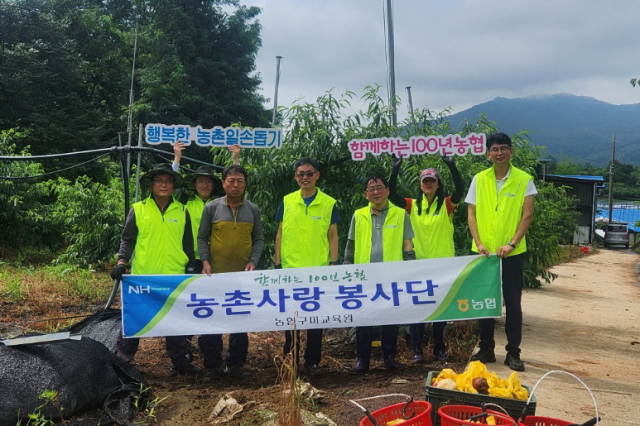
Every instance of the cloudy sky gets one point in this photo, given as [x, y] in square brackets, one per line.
[453, 53]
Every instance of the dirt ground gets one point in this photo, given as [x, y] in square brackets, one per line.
[586, 322]
[186, 401]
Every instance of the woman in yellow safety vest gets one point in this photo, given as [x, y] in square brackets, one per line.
[431, 216]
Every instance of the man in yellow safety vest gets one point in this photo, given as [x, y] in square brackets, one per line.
[500, 210]
[379, 232]
[307, 236]
[158, 232]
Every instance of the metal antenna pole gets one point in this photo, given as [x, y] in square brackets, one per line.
[275, 97]
[138, 163]
[392, 73]
[611, 167]
[133, 69]
[130, 125]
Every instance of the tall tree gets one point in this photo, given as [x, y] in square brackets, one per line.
[66, 91]
[197, 62]
[65, 68]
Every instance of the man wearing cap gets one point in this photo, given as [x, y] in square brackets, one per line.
[307, 236]
[158, 230]
[500, 209]
[379, 232]
[230, 239]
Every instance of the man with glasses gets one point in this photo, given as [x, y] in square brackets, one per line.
[158, 230]
[307, 236]
[230, 239]
[379, 232]
[500, 210]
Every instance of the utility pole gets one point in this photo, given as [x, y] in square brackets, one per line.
[275, 97]
[544, 162]
[611, 167]
[410, 100]
[392, 72]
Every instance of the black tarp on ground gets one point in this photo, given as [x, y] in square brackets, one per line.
[85, 373]
[104, 326]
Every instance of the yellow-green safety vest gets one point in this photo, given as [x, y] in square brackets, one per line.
[304, 240]
[158, 248]
[433, 231]
[195, 205]
[392, 234]
[498, 215]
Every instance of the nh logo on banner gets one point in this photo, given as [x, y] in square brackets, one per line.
[139, 289]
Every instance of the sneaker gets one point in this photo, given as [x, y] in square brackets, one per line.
[188, 369]
[441, 355]
[210, 375]
[417, 358]
[360, 367]
[236, 371]
[513, 362]
[392, 364]
[485, 356]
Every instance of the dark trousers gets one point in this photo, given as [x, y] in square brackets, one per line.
[416, 331]
[388, 337]
[211, 344]
[197, 266]
[512, 283]
[178, 349]
[313, 351]
[211, 347]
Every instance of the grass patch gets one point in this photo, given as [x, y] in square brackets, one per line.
[570, 252]
[44, 298]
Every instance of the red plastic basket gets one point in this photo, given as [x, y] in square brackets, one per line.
[458, 415]
[550, 421]
[543, 421]
[421, 414]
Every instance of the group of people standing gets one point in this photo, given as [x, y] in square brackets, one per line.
[225, 235]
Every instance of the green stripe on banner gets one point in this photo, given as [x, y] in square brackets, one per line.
[167, 306]
[476, 292]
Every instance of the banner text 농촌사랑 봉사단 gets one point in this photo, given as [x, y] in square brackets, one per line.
[444, 289]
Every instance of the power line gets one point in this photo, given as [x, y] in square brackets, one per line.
[55, 171]
[114, 150]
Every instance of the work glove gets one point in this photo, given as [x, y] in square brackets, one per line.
[409, 255]
[118, 271]
[448, 158]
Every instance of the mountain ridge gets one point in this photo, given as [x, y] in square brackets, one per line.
[573, 126]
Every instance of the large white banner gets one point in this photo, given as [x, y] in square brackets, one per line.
[455, 288]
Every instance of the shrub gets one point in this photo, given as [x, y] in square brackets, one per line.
[24, 202]
[91, 216]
